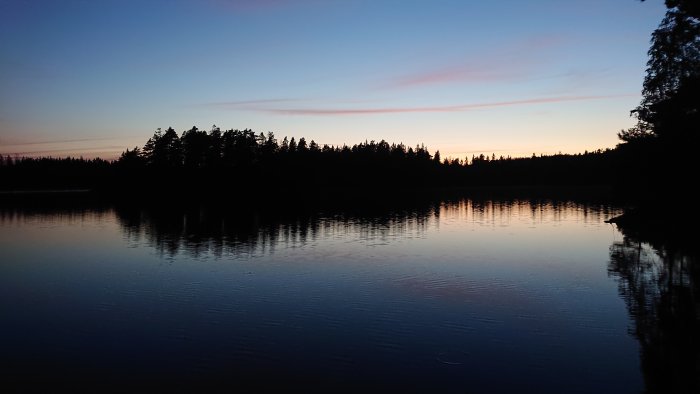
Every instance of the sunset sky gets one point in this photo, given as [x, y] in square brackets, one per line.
[519, 77]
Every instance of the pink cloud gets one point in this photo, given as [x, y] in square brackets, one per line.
[508, 63]
[467, 73]
[113, 150]
[42, 142]
[446, 108]
[62, 148]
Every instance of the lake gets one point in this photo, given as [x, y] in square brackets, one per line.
[454, 295]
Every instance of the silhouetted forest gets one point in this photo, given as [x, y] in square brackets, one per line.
[659, 151]
[241, 161]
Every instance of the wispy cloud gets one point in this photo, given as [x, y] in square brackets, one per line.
[63, 141]
[72, 147]
[445, 108]
[261, 104]
[511, 62]
[463, 73]
[114, 150]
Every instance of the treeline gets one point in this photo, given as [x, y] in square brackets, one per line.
[660, 150]
[52, 173]
[244, 162]
[241, 160]
[244, 148]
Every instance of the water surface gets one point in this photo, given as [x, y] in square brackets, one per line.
[455, 296]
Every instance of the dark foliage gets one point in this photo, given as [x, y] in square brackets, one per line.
[669, 109]
[243, 162]
[657, 155]
[51, 173]
[691, 7]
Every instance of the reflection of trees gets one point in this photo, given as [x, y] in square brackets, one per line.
[199, 230]
[506, 210]
[70, 207]
[659, 283]
[251, 229]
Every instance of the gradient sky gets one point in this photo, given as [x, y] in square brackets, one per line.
[518, 77]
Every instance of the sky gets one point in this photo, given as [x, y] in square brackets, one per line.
[92, 78]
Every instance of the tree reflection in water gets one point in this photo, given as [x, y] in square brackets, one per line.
[243, 230]
[658, 280]
[197, 230]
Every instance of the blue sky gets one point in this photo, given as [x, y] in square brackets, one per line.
[92, 78]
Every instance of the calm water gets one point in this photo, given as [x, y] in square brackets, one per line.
[457, 296]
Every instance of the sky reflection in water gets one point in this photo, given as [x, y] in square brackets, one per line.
[462, 295]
